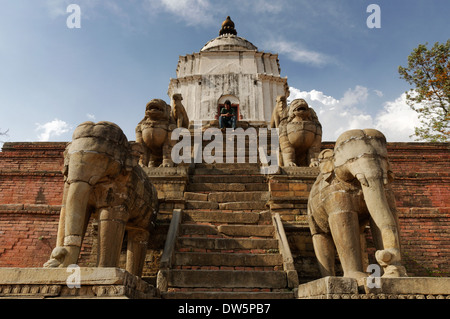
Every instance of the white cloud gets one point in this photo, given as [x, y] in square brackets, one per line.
[51, 129]
[57, 8]
[378, 93]
[90, 116]
[297, 53]
[193, 12]
[396, 120]
[355, 96]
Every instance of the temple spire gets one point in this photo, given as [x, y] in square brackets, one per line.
[228, 27]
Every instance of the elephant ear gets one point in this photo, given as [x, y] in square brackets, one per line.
[326, 164]
[66, 155]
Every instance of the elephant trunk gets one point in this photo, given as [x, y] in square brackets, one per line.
[75, 219]
[380, 212]
[385, 226]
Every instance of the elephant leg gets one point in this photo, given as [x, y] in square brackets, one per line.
[136, 250]
[111, 230]
[344, 228]
[62, 219]
[325, 253]
[75, 219]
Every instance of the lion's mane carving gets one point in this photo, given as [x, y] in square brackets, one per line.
[300, 135]
[154, 134]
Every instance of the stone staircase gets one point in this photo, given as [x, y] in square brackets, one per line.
[225, 243]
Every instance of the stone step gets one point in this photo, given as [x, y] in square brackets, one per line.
[227, 166]
[223, 197]
[235, 170]
[226, 187]
[227, 230]
[196, 204]
[195, 196]
[226, 243]
[227, 295]
[228, 259]
[251, 205]
[246, 230]
[227, 179]
[218, 216]
[227, 279]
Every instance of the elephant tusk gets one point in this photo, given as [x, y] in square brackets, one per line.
[362, 179]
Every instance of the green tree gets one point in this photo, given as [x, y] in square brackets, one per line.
[428, 71]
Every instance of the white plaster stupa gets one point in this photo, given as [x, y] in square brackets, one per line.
[229, 68]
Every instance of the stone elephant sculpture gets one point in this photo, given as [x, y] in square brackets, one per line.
[352, 190]
[102, 177]
[154, 134]
[300, 135]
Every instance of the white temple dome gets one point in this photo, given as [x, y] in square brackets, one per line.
[229, 68]
[229, 42]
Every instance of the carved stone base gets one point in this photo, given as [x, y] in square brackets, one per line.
[83, 282]
[387, 288]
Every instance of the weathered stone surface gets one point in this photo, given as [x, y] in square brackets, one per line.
[228, 295]
[231, 259]
[221, 197]
[195, 196]
[227, 279]
[411, 286]
[153, 134]
[300, 135]
[102, 176]
[227, 179]
[327, 286]
[247, 230]
[57, 283]
[197, 204]
[354, 186]
[222, 217]
[254, 205]
[228, 243]
[200, 187]
[389, 288]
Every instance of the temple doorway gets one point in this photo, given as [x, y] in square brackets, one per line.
[234, 104]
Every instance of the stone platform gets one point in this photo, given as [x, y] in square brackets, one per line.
[83, 282]
[388, 288]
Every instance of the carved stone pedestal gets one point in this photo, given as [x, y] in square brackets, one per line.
[386, 288]
[82, 282]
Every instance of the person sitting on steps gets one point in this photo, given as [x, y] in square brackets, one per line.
[227, 116]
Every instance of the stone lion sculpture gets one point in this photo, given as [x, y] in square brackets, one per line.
[300, 135]
[154, 134]
[179, 112]
[280, 112]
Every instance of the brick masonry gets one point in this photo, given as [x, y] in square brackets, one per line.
[31, 186]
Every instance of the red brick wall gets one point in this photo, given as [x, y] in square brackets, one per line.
[422, 192]
[31, 186]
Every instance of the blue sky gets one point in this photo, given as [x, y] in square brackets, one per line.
[53, 78]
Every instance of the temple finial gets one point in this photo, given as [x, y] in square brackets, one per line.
[228, 27]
